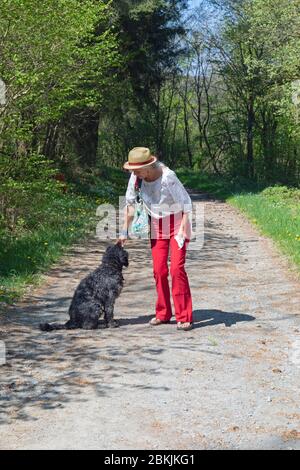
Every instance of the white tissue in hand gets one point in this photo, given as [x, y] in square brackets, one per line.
[180, 241]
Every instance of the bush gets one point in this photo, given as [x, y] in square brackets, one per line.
[26, 185]
[282, 193]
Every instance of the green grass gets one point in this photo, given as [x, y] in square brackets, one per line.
[66, 219]
[274, 210]
[220, 186]
[24, 257]
[280, 221]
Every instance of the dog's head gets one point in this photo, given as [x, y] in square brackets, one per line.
[117, 254]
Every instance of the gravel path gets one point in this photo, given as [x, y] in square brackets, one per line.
[230, 383]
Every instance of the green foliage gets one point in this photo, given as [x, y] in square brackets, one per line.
[27, 254]
[42, 231]
[52, 63]
[50, 68]
[103, 183]
[22, 181]
[256, 52]
[282, 195]
[149, 32]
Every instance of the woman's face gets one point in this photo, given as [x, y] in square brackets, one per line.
[142, 172]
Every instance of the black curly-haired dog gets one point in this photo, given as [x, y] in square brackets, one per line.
[96, 294]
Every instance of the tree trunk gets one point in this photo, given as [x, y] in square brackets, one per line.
[50, 141]
[186, 123]
[85, 135]
[250, 128]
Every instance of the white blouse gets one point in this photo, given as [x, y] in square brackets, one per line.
[162, 197]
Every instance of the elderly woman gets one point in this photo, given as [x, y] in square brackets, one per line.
[168, 205]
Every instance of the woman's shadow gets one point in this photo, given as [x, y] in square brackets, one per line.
[203, 318]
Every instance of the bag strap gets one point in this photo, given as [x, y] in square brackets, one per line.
[137, 187]
[138, 183]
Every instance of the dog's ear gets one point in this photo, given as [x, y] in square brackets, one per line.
[123, 256]
[108, 252]
[111, 250]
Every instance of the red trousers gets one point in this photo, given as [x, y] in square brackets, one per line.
[162, 238]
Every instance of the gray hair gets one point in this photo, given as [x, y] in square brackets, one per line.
[155, 165]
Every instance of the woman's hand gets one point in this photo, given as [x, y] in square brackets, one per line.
[121, 241]
[185, 228]
[182, 233]
[128, 215]
[122, 238]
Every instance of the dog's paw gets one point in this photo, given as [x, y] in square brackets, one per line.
[113, 324]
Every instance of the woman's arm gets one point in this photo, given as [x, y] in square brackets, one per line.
[185, 226]
[181, 197]
[128, 218]
[128, 210]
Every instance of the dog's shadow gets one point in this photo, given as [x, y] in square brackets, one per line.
[201, 318]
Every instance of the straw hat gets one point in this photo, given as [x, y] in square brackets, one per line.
[139, 157]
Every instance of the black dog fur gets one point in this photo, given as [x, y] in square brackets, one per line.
[96, 294]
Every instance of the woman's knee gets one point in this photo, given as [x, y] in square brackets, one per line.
[177, 271]
[180, 282]
[160, 272]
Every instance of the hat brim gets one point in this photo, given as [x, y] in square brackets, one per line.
[127, 166]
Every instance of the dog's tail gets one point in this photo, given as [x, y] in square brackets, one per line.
[57, 326]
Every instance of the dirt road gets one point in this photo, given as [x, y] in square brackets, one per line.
[230, 383]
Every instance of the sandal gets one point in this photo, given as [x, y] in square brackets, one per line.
[156, 321]
[185, 326]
